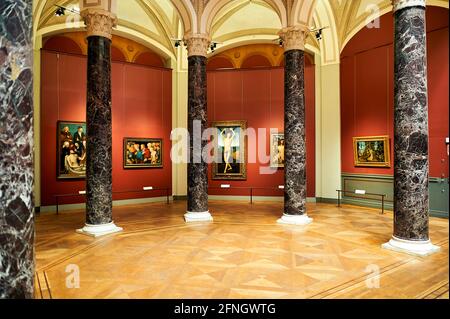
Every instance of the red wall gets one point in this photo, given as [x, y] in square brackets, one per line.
[257, 96]
[141, 107]
[367, 93]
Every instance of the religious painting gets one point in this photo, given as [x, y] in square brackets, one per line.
[229, 148]
[372, 151]
[277, 150]
[142, 152]
[71, 150]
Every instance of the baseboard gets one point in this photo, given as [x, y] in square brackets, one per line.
[246, 198]
[255, 198]
[325, 200]
[122, 202]
[179, 197]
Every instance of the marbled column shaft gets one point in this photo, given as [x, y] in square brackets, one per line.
[197, 172]
[410, 126]
[99, 132]
[16, 150]
[294, 134]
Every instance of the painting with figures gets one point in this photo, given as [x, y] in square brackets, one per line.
[372, 151]
[71, 149]
[277, 150]
[229, 150]
[142, 152]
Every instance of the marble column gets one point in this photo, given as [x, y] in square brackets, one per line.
[411, 204]
[294, 127]
[197, 188]
[16, 150]
[98, 122]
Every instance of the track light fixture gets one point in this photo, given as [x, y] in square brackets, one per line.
[61, 11]
[213, 46]
[177, 42]
[318, 33]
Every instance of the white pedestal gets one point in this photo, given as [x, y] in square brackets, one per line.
[99, 230]
[416, 248]
[299, 220]
[190, 217]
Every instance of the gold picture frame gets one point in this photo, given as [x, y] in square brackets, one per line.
[71, 149]
[142, 152]
[236, 169]
[277, 150]
[372, 151]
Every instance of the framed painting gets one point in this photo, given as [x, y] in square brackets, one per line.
[277, 150]
[372, 151]
[142, 152]
[71, 149]
[230, 146]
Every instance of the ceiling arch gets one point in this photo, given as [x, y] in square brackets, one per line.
[353, 15]
[329, 45]
[302, 11]
[152, 23]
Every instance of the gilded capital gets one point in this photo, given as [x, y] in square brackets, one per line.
[401, 4]
[294, 37]
[99, 22]
[197, 44]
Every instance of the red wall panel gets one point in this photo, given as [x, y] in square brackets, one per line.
[367, 94]
[141, 107]
[257, 96]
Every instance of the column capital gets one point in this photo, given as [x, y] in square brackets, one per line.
[294, 37]
[99, 22]
[197, 44]
[401, 4]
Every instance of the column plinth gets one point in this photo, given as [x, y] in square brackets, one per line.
[16, 151]
[197, 188]
[411, 195]
[99, 124]
[294, 128]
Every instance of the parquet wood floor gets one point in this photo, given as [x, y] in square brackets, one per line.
[242, 254]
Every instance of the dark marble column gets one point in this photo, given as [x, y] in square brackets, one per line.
[294, 128]
[16, 150]
[99, 128]
[411, 204]
[99, 125]
[197, 188]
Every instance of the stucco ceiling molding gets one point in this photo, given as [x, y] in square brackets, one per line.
[329, 44]
[384, 8]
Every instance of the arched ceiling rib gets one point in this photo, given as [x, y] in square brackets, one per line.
[156, 22]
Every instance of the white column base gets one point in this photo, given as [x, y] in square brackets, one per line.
[99, 230]
[299, 220]
[416, 248]
[190, 217]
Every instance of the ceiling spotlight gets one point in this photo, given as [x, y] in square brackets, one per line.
[213, 46]
[176, 42]
[319, 35]
[280, 42]
[60, 11]
[318, 32]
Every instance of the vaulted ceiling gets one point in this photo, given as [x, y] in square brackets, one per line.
[155, 23]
